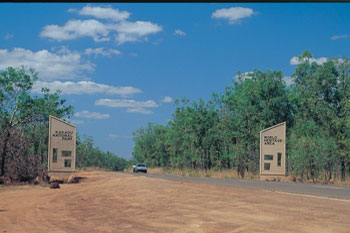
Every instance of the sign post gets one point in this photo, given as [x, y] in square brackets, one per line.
[273, 152]
[62, 147]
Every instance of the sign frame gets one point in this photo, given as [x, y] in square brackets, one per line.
[63, 140]
[273, 151]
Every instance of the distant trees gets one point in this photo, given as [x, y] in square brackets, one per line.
[191, 135]
[224, 132]
[88, 155]
[152, 145]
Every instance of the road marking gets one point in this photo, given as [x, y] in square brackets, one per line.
[326, 187]
[312, 196]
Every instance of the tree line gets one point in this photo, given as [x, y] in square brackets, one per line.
[89, 155]
[223, 133]
[24, 124]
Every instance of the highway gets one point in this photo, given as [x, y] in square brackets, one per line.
[330, 191]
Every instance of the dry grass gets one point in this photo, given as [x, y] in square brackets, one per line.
[230, 174]
[89, 169]
[338, 181]
[225, 173]
[15, 187]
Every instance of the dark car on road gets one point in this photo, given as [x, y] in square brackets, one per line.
[140, 168]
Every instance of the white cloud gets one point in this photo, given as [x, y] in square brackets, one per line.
[179, 32]
[133, 31]
[102, 52]
[74, 29]
[139, 110]
[8, 36]
[167, 99]
[233, 14]
[91, 115]
[117, 27]
[337, 37]
[103, 13]
[61, 65]
[295, 61]
[126, 103]
[131, 105]
[84, 87]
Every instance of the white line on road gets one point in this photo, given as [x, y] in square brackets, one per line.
[313, 196]
[326, 187]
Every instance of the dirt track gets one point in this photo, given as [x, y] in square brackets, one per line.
[115, 202]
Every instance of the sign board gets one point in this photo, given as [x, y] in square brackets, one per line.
[62, 146]
[273, 151]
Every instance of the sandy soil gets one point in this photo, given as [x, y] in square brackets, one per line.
[116, 202]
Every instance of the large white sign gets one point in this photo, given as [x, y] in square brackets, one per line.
[62, 146]
[273, 151]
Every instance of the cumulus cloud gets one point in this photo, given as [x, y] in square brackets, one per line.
[104, 52]
[133, 31]
[91, 115]
[337, 37]
[295, 61]
[167, 99]
[139, 110]
[233, 14]
[122, 103]
[131, 105]
[116, 26]
[103, 13]
[179, 32]
[74, 29]
[62, 65]
[84, 87]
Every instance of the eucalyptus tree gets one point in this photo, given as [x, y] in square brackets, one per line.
[323, 97]
[192, 140]
[151, 145]
[19, 109]
[224, 132]
[255, 101]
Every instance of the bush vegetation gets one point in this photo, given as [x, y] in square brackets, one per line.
[24, 122]
[223, 133]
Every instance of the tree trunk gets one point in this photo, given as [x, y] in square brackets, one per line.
[4, 153]
[342, 162]
[330, 166]
[2, 164]
[209, 160]
[241, 171]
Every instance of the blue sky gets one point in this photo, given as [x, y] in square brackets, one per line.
[123, 65]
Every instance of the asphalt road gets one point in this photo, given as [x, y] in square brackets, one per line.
[320, 190]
